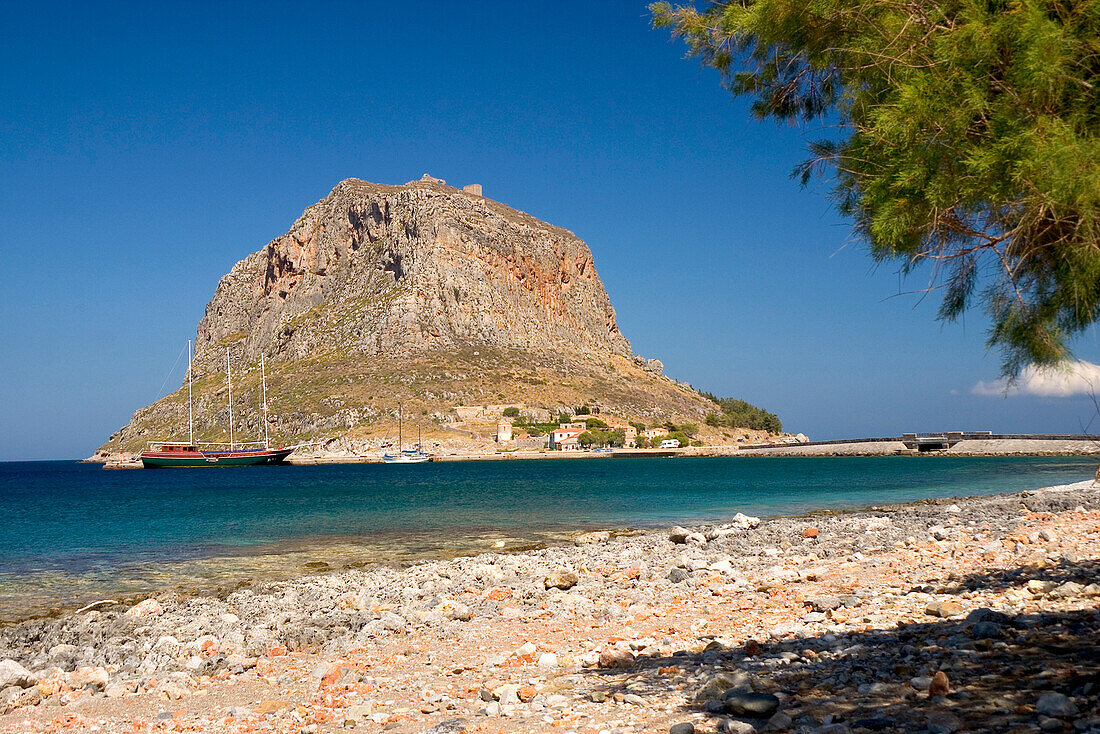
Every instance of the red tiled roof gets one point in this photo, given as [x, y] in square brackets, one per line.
[569, 432]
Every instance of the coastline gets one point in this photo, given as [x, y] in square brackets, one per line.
[607, 614]
[968, 448]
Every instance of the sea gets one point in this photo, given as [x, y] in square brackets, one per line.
[73, 533]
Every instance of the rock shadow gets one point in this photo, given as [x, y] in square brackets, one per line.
[986, 671]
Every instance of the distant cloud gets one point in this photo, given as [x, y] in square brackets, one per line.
[1072, 378]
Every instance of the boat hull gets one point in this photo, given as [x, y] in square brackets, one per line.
[164, 459]
[406, 458]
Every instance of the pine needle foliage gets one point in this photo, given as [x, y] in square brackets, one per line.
[739, 414]
[968, 140]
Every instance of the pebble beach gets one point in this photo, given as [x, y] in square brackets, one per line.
[966, 614]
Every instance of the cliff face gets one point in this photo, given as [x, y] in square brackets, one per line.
[399, 270]
[421, 295]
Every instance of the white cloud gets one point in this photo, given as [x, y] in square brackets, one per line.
[1063, 381]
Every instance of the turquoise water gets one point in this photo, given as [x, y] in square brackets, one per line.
[70, 532]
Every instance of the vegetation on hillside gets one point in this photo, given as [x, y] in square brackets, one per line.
[736, 413]
[965, 139]
[535, 428]
[688, 430]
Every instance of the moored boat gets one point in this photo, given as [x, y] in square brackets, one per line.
[182, 454]
[403, 455]
[191, 454]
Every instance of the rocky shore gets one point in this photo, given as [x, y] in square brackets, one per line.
[457, 451]
[977, 614]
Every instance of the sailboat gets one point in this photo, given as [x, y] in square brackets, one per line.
[174, 453]
[404, 456]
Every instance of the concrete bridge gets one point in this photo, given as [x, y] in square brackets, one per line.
[940, 441]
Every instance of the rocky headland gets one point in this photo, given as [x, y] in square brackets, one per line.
[422, 295]
[978, 614]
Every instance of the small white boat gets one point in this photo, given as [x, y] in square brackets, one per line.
[404, 456]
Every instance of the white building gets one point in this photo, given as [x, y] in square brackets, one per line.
[565, 438]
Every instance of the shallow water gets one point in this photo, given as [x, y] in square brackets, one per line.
[70, 532]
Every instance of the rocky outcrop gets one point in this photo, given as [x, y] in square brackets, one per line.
[653, 366]
[422, 295]
[410, 269]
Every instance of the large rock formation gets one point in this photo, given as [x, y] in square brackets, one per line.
[401, 269]
[422, 294]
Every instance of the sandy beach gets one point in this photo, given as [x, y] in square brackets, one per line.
[977, 614]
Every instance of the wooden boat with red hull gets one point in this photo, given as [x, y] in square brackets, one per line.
[192, 454]
[182, 454]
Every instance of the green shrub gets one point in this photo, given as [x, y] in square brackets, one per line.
[599, 437]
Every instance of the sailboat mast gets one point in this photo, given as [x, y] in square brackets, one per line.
[229, 381]
[263, 379]
[190, 412]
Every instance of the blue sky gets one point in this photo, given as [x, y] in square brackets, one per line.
[146, 147]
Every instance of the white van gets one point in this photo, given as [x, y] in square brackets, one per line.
[670, 443]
